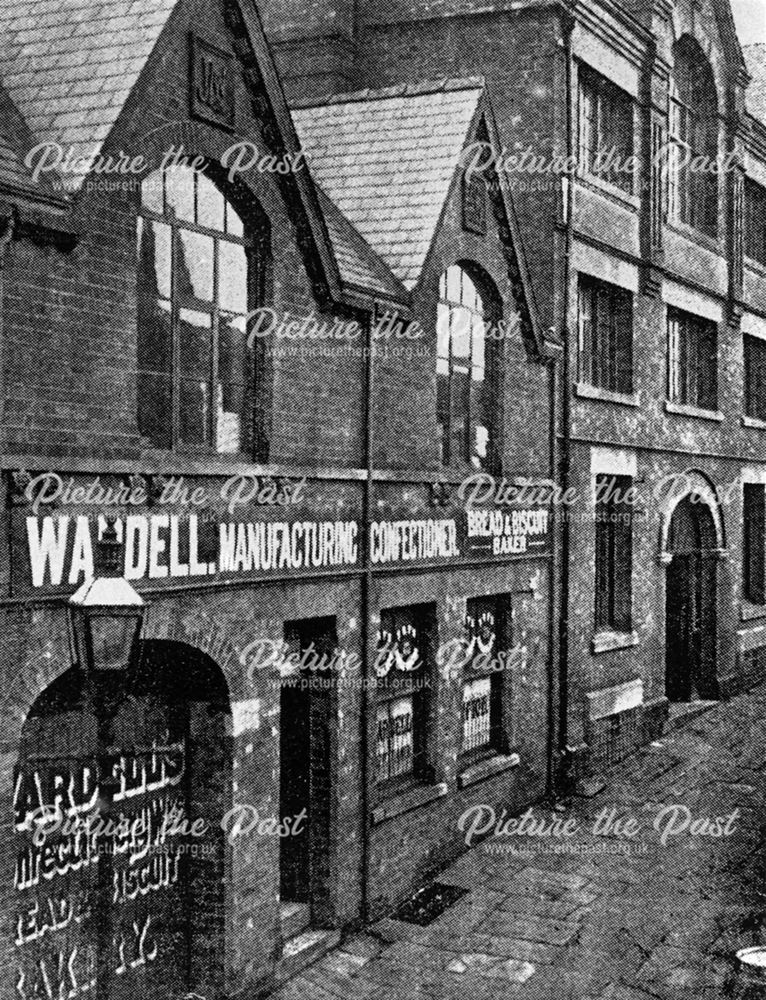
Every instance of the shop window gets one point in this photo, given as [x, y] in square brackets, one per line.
[402, 705]
[606, 130]
[755, 377]
[466, 373]
[754, 530]
[693, 360]
[196, 284]
[614, 554]
[693, 140]
[486, 635]
[606, 336]
[755, 221]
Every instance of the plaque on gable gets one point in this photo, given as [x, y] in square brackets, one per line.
[211, 82]
[474, 204]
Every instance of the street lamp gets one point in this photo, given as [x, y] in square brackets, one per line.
[106, 613]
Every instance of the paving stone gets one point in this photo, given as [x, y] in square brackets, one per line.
[662, 924]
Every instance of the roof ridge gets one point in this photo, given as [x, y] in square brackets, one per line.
[418, 88]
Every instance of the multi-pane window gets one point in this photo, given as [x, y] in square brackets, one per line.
[194, 295]
[693, 141]
[606, 336]
[614, 553]
[754, 530]
[693, 360]
[755, 220]
[606, 130]
[464, 372]
[755, 377]
[401, 709]
[483, 678]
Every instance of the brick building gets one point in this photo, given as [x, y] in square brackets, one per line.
[264, 386]
[649, 267]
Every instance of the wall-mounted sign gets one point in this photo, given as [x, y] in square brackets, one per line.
[211, 82]
[214, 530]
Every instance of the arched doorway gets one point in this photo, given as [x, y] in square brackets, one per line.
[119, 895]
[691, 588]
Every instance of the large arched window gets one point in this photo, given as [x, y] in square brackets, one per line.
[693, 135]
[195, 281]
[464, 371]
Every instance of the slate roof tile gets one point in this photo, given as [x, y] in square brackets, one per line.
[755, 58]
[55, 55]
[387, 160]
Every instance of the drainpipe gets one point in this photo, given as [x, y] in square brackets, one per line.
[5, 241]
[366, 611]
[568, 25]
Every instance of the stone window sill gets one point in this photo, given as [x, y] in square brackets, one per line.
[697, 236]
[684, 410]
[585, 391]
[754, 423]
[751, 612]
[414, 798]
[614, 191]
[487, 769]
[606, 642]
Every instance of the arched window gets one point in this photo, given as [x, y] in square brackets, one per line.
[464, 371]
[693, 136]
[195, 282]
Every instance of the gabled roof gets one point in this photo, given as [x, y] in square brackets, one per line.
[387, 158]
[70, 66]
[361, 269]
[755, 57]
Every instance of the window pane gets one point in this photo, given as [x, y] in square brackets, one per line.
[442, 338]
[155, 410]
[210, 204]
[194, 343]
[234, 226]
[476, 713]
[152, 196]
[461, 332]
[402, 750]
[195, 266]
[383, 743]
[453, 284]
[232, 277]
[194, 406]
[154, 377]
[470, 296]
[477, 345]
[154, 256]
[179, 192]
[232, 369]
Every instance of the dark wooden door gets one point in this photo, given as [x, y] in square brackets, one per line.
[306, 736]
[691, 627]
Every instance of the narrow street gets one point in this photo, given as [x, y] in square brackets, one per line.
[595, 916]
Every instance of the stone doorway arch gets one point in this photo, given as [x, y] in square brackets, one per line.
[115, 896]
[693, 552]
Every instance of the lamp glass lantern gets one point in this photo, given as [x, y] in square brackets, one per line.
[106, 615]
